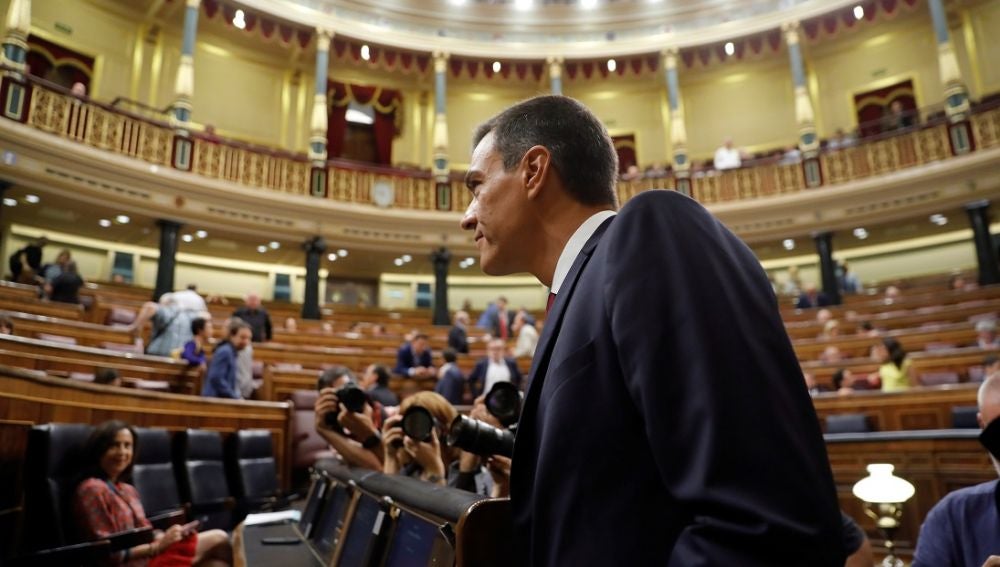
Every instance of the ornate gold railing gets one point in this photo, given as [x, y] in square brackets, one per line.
[55, 111]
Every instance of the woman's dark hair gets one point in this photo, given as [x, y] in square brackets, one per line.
[332, 374]
[197, 325]
[896, 352]
[98, 443]
[838, 379]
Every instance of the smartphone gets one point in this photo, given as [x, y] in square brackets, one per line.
[280, 541]
[190, 527]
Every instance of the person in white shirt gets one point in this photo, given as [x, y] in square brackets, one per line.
[527, 335]
[494, 368]
[727, 157]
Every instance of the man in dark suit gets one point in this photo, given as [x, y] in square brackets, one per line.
[458, 335]
[414, 359]
[493, 368]
[666, 420]
[500, 319]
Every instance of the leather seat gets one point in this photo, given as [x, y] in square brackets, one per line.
[53, 465]
[307, 445]
[201, 476]
[848, 423]
[254, 471]
[153, 473]
[964, 417]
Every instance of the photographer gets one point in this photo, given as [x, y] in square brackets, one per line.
[471, 466]
[353, 434]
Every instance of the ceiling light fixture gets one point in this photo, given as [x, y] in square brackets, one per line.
[470, 260]
[105, 223]
[240, 20]
[730, 48]
[939, 219]
[859, 12]
[342, 253]
[366, 52]
[201, 233]
[32, 199]
[860, 233]
[187, 238]
[274, 244]
[496, 66]
[7, 201]
[588, 4]
[262, 248]
[331, 257]
[788, 243]
[522, 4]
[612, 65]
[398, 261]
[122, 219]
[407, 258]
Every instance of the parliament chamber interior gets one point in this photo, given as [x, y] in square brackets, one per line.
[216, 210]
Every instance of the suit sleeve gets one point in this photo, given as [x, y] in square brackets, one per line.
[268, 332]
[515, 373]
[218, 375]
[709, 367]
[936, 546]
[475, 376]
[402, 364]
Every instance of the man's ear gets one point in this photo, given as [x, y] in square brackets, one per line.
[535, 170]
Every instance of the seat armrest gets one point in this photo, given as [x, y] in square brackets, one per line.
[217, 505]
[167, 519]
[130, 538]
[87, 553]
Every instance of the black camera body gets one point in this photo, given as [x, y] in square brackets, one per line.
[418, 423]
[504, 402]
[479, 437]
[353, 398]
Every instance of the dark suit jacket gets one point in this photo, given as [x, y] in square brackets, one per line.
[458, 339]
[495, 323]
[477, 378]
[452, 385]
[405, 360]
[667, 422]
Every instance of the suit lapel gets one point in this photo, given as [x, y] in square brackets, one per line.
[546, 343]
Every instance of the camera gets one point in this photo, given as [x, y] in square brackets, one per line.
[504, 403]
[418, 423]
[480, 438]
[353, 398]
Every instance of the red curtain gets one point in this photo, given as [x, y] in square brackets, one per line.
[385, 102]
[872, 105]
[58, 64]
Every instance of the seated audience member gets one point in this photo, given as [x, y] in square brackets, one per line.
[65, 288]
[727, 157]
[495, 367]
[379, 330]
[831, 329]
[844, 382]
[458, 335]
[171, 324]
[632, 173]
[527, 335]
[375, 382]
[831, 355]
[959, 283]
[811, 384]
[326, 328]
[105, 503]
[963, 528]
[51, 271]
[414, 358]
[78, 90]
[866, 329]
[655, 171]
[836, 142]
[790, 156]
[823, 316]
[986, 334]
[220, 379]
[811, 297]
[194, 350]
[26, 263]
[255, 316]
[892, 293]
[6, 325]
[107, 376]
[354, 436]
[894, 372]
[897, 118]
[291, 325]
[451, 382]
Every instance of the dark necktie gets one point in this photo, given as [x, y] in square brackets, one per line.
[548, 304]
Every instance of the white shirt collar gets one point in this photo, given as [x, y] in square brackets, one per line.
[575, 244]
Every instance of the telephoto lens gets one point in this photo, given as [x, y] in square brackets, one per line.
[504, 402]
[418, 423]
[480, 438]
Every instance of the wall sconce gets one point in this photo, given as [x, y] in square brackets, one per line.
[884, 494]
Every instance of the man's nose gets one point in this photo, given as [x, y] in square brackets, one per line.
[469, 219]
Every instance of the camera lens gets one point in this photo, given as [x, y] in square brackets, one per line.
[352, 397]
[504, 402]
[418, 423]
[480, 438]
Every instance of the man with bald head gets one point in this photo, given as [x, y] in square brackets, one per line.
[963, 529]
[255, 316]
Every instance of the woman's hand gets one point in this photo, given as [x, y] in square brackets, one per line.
[427, 454]
[392, 439]
[174, 534]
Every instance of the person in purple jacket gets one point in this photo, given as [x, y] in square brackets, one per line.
[194, 350]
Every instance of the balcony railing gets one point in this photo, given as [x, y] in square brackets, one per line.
[55, 110]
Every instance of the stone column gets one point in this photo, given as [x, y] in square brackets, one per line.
[15, 53]
[183, 147]
[986, 253]
[167, 260]
[678, 133]
[827, 267]
[314, 248]
[555, 74]
[805, 118]
[440, 169]
[318, 123]
[441, 258]
[956, 95]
